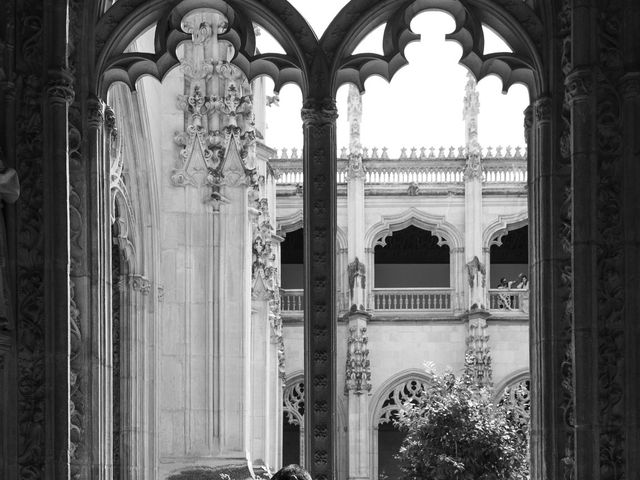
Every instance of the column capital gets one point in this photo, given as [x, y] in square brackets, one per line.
[60, 86]
[528, 121]
[630, 85]
[542, 107]
[141, 284]
[95, 108]
[579, 84]
[318, 113]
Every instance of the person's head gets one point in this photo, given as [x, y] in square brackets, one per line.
[291, 472]
[503, 281]
[524, 279]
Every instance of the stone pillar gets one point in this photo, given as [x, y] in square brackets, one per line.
[630, 91]
[232, 318]
[59, 95]
[357, 388]
[358, 369]
[473, 247]
[319, 126]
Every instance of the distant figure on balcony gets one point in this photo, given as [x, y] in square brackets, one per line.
[522, 283]
[503, 298]
[291, 472]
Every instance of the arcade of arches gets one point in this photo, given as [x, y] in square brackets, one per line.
[142, 330]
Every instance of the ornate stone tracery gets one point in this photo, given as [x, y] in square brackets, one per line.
[405, 392]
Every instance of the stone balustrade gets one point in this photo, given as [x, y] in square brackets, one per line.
[291, 300]
[411, 299]
[508, 300]
[409, 170]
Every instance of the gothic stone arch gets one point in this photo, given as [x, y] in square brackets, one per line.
[580, 63]
[387, 400]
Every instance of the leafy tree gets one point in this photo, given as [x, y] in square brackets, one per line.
[454, 432]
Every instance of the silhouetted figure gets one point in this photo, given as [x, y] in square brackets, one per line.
[291, 472]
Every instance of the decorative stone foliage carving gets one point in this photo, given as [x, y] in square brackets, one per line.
[405, 392]
[355, 167]
[358, 372]
[199, 146]
[293, 403]
[263, 265]
[478, 353]
[473, 167]
[141, 284]
[30, 328]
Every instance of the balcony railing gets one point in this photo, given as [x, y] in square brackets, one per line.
[291, 300]
[509, 300]
[508, 169]
[411, 299]
[419, 299]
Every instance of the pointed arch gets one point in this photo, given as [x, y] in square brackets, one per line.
[447, 233]
[494, 232]
[392, 387]
[126, 19]
[516, 22]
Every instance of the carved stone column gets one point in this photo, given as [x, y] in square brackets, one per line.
[473, 247]
[59, 94]
[319, 125]
[233, 183]
[549, 183]
[630, 169]
[357, 388]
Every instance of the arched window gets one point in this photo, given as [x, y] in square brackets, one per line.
[293, 423]
[387, 438]
[510, 257]
[413, 258]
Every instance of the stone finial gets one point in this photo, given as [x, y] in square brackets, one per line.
[423, 153]
[499, 151]
[354, 117]
[414, 153]
[374, 153]
[432, 152]
[489, 152]
[365, 153]
[294, 154]
[509, 153]
[518, 152]
[441, 152]
[460, 152]
[385, 153]
[470, 112]
[403, 153]
[452, 152]
[285, 155]
[344, 153]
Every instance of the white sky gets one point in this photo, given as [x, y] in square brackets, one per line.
[422, 106]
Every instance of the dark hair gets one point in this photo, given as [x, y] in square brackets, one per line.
[291, 472]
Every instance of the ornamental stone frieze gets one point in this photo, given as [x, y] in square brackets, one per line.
[358, 371]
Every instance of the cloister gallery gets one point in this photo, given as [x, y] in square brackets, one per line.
[181, 301]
